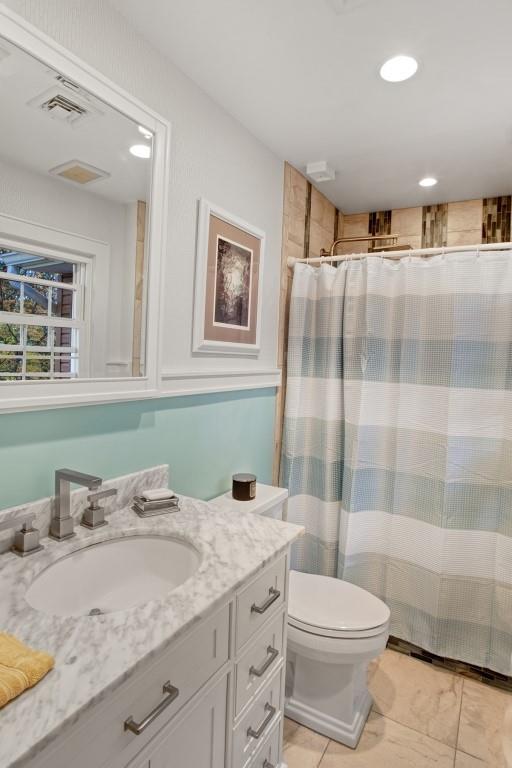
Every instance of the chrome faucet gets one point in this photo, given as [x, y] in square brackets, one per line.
[62, 523]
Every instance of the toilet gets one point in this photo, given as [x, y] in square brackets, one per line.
[335, 629]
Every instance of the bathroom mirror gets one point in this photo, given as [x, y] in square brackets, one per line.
[79, 254]
[70, 162]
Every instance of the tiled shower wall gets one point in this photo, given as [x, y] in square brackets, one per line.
[462, 223]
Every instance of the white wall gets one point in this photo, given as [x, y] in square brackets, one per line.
[44, 200]
[212, 155]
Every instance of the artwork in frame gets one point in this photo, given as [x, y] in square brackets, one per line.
[228, 291]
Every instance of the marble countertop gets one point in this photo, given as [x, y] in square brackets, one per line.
[233, 546]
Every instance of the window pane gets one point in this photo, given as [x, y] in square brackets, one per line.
[10, 333]
[10, 295]
[10, 362]
[62, 302]
[38, 363]
[65, 363]
[37, 336]
[63, 337]
[35, 299]
[32, 265]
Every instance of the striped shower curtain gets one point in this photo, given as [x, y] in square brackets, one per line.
[398, 442]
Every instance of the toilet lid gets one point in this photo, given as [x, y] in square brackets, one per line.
[336, 606]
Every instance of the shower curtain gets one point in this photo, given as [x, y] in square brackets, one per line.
[397, 446]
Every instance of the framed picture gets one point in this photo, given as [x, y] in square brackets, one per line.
[229, 266]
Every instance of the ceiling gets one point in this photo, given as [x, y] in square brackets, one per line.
[302, 75]
[35, 141]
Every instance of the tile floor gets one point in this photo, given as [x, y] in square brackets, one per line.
[422, 717]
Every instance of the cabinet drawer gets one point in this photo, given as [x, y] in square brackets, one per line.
[259, 662]
[258, 721]
[186, 665]
[257, 602]
[197, 740]
[269, 754]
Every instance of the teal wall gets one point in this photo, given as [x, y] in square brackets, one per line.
[204, 439]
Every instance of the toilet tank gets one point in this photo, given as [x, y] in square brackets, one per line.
[270, 501]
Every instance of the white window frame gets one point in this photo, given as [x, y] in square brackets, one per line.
[56, 393]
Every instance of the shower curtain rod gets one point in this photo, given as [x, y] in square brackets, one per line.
[397, 255]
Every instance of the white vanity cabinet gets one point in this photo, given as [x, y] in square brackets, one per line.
[212, 699]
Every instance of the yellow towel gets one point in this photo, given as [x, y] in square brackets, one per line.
[20, 667]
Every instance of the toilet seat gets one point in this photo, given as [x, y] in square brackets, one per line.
[340, 634]
[328, 607]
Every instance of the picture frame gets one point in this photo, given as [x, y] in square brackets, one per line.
[228, 283]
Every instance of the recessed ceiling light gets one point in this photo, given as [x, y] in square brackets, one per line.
[141, 150]
[398, 68]
[428, 181]
[145, 132]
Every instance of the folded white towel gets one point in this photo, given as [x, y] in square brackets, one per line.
[158, 494]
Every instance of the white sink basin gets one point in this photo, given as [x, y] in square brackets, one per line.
[113, 576]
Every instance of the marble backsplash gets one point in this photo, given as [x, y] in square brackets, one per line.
[127, 487]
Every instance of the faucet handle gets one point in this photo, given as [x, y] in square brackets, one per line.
[26, 538]
[94, 515]
[93, 498]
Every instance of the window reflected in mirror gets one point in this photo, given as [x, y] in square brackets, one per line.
[46, 346]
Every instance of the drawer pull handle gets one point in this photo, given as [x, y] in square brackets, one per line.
[273, 653]
[257, 733]
[138, 728]
[266, 764]
[273, 595]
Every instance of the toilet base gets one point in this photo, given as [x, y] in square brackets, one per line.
[326, 682]
[347, 733]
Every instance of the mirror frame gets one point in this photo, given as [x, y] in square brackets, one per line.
[31, 395]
